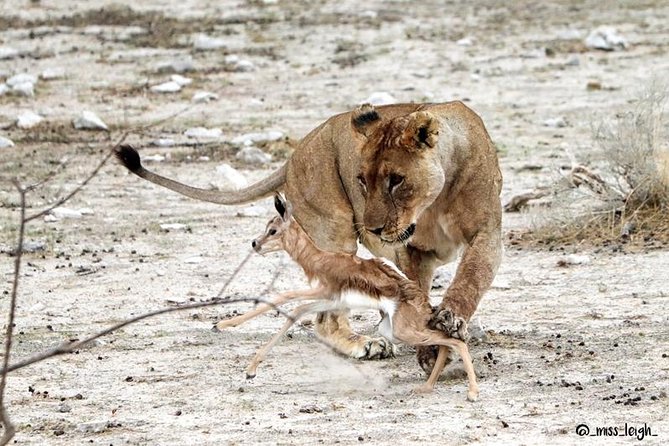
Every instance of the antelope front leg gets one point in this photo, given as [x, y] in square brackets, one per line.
[439, 365]
[294, 316]
[263, 308]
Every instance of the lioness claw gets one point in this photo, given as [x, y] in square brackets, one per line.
[454, 326]
[378, 348]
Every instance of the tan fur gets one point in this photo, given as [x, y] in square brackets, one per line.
[337, 273]
[450, 191]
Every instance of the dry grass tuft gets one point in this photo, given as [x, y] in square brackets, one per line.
[627, 203]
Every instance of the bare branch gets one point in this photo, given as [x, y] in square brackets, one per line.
[68, 347]
[518, 202]
[9, 430]
[77, 189]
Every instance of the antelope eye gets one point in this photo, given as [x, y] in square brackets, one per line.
[394, 180]
[272, 231]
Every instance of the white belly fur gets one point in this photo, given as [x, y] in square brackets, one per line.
[354, 299]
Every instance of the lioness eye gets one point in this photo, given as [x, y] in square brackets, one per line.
[362, 182]
[394, 180]
[272, 231]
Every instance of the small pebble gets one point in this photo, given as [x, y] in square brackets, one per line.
[88, 120]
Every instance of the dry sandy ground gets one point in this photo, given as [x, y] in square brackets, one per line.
[562, 347]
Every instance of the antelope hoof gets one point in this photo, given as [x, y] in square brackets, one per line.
[454, 326]
[472, 395]
[250, 375]
[378, 348]
[423, 389]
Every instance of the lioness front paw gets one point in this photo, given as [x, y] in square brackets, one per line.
[378, 348]
[454, 326]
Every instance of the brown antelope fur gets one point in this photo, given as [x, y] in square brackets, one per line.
[345, 281]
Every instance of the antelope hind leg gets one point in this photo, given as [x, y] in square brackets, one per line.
[294, 316]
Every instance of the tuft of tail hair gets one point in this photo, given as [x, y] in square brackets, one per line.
[129, 157]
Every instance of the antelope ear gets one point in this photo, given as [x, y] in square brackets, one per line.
[364, 120]
[280, 205]
[422, 130]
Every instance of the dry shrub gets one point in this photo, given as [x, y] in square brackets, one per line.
[627, 202]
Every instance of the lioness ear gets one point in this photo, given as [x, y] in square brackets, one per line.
[364, 119]
[422, 131]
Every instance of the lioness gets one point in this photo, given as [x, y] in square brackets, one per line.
[415, 183]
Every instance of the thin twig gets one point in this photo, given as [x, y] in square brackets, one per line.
[77, 189]
[68, 347]
[9, 429]
[234, 274]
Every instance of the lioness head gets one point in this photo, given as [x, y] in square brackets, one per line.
[400, 171]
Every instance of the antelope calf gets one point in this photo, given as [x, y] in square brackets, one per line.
[345, 281]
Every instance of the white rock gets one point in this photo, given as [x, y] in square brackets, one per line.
[164, 142]
[465, 41]
[605, 38]
[204, 133]
[234, 63]
[21, 78]
[89, 121]
[166, 87]
[573, 61]
[231, 59]
[251, 211]
[160, 272]
[24, 89]
[181, 80]
[204, 96]
[244, 66]
[203, 158]
[569, 34]
[28, 119]
[176, 66]
[257, 138]
[380, 98]
[62, 213]
[5, 142]
[574, 259]
[231, 176]
[86, 211]
[500, 284]
[53, 73]
[193, 260]
[204, 42]
[253, 155]
[173, 226]
[8, 52]
[153, 158]
[555, 122]
[37, 307]
[49, 218]
[3, 89]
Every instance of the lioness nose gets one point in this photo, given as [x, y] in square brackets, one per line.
[377, 231]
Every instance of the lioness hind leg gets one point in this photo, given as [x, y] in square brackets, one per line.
[334, 328]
